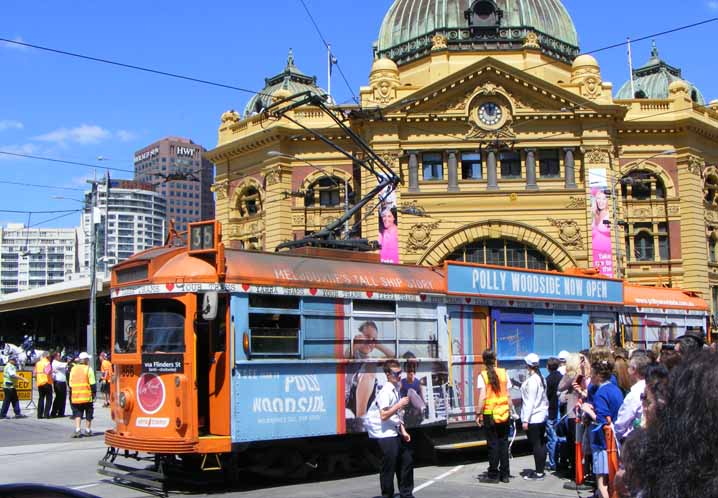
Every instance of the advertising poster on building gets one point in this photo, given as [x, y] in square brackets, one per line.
[601, 222]
[388, 226]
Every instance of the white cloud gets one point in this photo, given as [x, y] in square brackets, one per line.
[126, 135]
[9, 124]
[83, 134]
[28, 149]
[713, 4]
[14, 46]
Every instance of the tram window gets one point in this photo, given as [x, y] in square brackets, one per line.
[273, 302]
[163, 322]
[374, 306]
[274, 335]
[418, 338]
[126, 327]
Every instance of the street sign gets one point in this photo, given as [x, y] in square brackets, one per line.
[24, 387]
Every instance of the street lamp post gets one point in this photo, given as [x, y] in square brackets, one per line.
[276, 153]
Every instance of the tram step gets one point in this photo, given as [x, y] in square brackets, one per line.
[143, 477]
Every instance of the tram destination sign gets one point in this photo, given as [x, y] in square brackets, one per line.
[474, 280]
[162, 363]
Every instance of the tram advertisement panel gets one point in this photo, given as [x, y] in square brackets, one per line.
[304, 400]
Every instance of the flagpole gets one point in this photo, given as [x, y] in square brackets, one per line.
[329, 71]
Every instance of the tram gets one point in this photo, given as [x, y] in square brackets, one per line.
[229, 359]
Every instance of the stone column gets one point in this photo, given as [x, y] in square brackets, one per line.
[694, 248]
[453, 172]
[491, 175]
[413, 172]
[531, 169]
[569, 164]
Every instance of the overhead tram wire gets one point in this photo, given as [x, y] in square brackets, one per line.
[62, 161]
[326, 44]
[15, 211]
[34, 185]
[34, 225]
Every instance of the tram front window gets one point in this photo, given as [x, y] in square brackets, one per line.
[126, 327]
[163, 326]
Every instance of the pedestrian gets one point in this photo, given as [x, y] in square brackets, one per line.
[59, 383]
[552, 382]
[575, 372]
[494, 415]
[386, 426]
[606, 402]
[562, 358]
[534, 411]
[106, 377]
[83, 388]
[43, 377]
[9, 386]
[690, 342]
[631, 411]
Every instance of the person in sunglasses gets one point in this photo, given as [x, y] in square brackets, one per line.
[387, 428]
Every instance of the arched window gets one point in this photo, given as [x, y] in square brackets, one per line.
[327, 191]
[640, 94]
[249, 202]
[642, 185]
[484, 13]
[502, 252]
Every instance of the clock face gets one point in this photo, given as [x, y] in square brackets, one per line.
[490, 113]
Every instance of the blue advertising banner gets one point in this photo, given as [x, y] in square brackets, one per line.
[282, 402]
[488, 281]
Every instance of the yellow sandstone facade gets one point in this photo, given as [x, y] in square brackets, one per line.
[497, 148]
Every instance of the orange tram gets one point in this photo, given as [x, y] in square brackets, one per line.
[226, 359]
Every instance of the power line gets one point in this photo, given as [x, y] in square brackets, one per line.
[332, 60]
[62, 161]
[34, 185]
[54, 218]
[131, 66]
[39, 212]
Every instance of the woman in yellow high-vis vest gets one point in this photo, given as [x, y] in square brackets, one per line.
[43, 377]
[494, 415]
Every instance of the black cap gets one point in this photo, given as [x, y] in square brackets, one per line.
[696, 334]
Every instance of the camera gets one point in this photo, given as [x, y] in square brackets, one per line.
[671, 346]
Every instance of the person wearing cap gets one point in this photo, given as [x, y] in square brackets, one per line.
[562, 357]
[9, 386]
[534, 412]
[690, 342]
[82, 385]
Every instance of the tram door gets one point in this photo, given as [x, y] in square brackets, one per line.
[469, 339]
[213, 382]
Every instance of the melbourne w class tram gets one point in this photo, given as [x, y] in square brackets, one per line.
[226, 359]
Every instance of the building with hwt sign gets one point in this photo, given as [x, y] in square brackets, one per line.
[511, 148]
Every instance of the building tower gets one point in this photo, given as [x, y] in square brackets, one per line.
[182, 175]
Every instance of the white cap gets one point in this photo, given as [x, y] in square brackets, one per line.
[84, 356]
[563, 355]
[532, 360]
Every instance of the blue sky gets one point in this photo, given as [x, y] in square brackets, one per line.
[56, 106]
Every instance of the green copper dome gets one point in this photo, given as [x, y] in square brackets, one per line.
[476, 25]
[652, 80]
[291, 79]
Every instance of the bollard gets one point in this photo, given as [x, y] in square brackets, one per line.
[579, 455]
[612, 451]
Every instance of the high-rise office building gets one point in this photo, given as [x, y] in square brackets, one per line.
[36, 257]
[132, 221]
[181, 173]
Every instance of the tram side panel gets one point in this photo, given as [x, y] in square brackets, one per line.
[307, 366]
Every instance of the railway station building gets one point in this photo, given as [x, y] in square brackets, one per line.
[511, 147]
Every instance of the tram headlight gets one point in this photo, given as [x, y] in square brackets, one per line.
[124, 399]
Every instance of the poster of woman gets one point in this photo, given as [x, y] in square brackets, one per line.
[601, 223]
[388, 229]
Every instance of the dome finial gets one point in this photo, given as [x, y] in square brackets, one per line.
[654, 49]
[290, 58]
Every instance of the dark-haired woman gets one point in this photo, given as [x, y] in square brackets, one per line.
[494, 415]
[606, 402]
[534, 412]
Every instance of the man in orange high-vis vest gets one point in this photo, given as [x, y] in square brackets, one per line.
[43, 377]
[83, 385]
[494, 415]
[106, 377]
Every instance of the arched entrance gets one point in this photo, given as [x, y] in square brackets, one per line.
[501, 243]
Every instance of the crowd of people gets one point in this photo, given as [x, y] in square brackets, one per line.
[59, 379]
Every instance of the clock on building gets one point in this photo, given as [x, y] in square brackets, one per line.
[490, 113]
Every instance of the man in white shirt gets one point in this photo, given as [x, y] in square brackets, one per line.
[387, 427]
[631, 411]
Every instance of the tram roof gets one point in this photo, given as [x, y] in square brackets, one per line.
[640, 296]
[287, 270]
